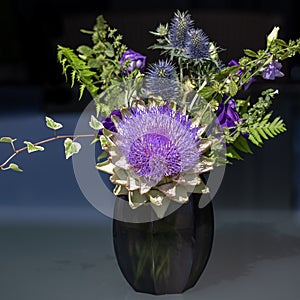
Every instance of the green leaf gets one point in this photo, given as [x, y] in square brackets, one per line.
[52, 124]
[231, 153]
[281, 43]
[7, 139]
[207, 92]
[254, 137]
[81, 90]
[94, 63]
[15, 167]
[265, 129]
[32, 148]
[95, 124]
[110, 52]
[95, 140]
[85, 50]
[233, 88]
[250, 53]
[71, 147]
[242, 144]
[102, 156]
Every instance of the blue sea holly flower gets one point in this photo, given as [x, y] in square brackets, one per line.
[179, 27]
[161, 80]
[272, 70]
[137, 61]
[197, 46]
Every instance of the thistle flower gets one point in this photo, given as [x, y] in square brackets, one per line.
[158, 142]
[161, 80]
[197, 46]
[155, 147]
[178, 33]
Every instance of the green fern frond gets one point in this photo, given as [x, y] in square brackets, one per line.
[81, 90]
[242, 145]
[232, 153]
[80, 71]
[265, 130]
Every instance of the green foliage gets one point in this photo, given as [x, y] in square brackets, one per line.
[95, 124]
[265, 129]
[95, 67]
[52, 124]
[14, 167]
[71, 147]
[7, 139]
[32, 148]
[79, 71]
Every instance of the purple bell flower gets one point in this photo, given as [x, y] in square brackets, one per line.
[137, 61]
[227, 116]
[272, 70]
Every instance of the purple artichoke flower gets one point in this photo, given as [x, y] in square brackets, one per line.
[158, 142]
[272, 70]
[240, 72]
[137, 61]
[227, 115]
[108, 122]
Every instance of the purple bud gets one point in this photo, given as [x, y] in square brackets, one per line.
[137, 61]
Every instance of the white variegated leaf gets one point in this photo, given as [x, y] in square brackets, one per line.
[106, 167]
[71, 147]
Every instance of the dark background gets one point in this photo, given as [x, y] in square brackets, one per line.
[31, 81]
[53, 243]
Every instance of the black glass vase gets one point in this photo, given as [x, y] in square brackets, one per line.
[166, 256]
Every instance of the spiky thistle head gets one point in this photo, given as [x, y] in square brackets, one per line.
[197, 46]
[179, 27]
[161, 80]
[156, 149]
[158, 142]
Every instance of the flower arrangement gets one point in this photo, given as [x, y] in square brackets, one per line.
[162, 126]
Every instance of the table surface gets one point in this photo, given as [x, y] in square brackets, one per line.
[256, 255]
